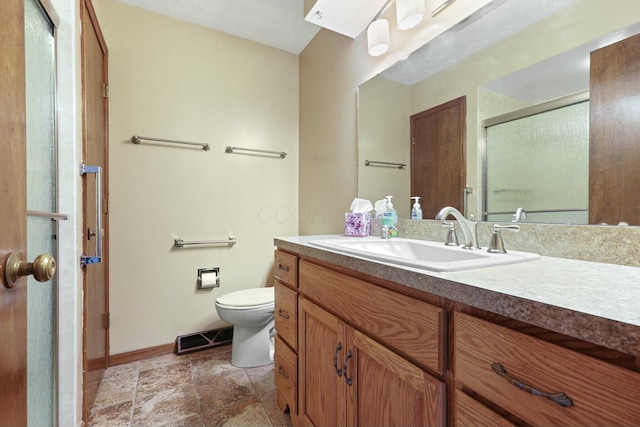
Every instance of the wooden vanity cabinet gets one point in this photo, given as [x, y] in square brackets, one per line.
[350, 376]
[537, 381]
[354, 350]
[286, 325]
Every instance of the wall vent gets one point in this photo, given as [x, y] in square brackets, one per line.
[203, 340]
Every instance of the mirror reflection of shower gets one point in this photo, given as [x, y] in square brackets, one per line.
[532, 174]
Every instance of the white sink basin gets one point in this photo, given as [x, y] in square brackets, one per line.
[423, 254]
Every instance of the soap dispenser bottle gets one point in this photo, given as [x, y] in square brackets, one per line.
[389, 220]
[416, 210]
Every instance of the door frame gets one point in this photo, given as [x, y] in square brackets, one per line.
[88, 19]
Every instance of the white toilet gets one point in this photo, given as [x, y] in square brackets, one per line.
[250, 311]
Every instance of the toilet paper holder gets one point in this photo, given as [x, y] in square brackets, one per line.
[208, 278]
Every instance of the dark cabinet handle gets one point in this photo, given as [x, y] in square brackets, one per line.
[335, 359]
[346, 360]
[558, 398]
[283, 314]
[283, 267]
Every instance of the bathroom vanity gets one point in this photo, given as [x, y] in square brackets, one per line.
[547, 342]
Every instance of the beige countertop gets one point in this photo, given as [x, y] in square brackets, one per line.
[591, 301]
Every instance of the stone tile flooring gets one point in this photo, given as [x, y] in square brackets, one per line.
[198, 389]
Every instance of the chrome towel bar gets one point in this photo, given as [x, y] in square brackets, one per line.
[136, 140]
[179, 243]
[541, 211]
[384, 164]
[50, 215]
[241, 150]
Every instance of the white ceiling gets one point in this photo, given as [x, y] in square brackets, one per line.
[276, 23]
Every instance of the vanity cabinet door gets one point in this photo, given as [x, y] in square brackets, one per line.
[322, 345]
[385, 389]
[348, 379]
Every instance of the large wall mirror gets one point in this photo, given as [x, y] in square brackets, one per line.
[511, 55]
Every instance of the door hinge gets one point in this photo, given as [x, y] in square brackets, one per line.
[107, 205]
[105, 90]
[107, 320]
[413, 140]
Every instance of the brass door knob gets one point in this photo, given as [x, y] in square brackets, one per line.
[43, 268]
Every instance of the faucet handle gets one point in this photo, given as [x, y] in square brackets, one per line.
[496, 245]
[452, 238]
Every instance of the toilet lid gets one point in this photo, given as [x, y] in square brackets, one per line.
[247, 297]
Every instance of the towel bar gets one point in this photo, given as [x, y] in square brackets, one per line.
[180, 243]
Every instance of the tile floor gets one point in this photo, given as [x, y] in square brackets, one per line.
[197, 389]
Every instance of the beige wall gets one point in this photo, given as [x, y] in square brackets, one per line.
[175, 80]
[383, 135]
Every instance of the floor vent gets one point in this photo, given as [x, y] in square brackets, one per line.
[203, 340]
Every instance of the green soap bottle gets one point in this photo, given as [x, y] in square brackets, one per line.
[390, 219]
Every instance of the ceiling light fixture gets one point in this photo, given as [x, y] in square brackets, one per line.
[409, 13]
[378, 37]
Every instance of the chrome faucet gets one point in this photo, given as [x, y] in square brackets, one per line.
[520, 215]
[469, 228]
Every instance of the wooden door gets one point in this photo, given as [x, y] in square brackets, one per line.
[438, 162]
[322, 344]
[95, 148]
[614, 133]
[385, 389]
[13, 214]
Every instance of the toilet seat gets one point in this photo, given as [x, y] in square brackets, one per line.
[247, 299]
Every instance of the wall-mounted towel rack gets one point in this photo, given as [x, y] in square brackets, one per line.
[179, 243]
[384, 164]
[241, 150]
[137, 138]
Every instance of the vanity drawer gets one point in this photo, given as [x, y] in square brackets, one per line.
[286, 375]
[600, 393]
[285, 268]
[471, 413]
[286, 314]
[412, 327]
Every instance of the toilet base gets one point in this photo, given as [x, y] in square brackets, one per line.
[252, 347]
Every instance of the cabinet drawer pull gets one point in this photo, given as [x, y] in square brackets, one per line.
[283, 267]
[558, 398]
[346, 360]
[282, 372]
[335, 359]
[283, 314]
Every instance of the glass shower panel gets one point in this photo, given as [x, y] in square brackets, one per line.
[540, 163]
[41, 196]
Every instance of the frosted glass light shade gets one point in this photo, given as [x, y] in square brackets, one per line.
[409, 13]
[378, 37]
